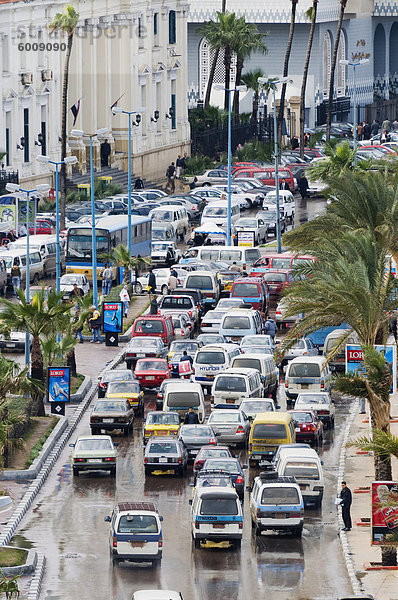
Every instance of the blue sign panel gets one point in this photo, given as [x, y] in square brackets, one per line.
[58, 384]
[355, 364]
[112, 317]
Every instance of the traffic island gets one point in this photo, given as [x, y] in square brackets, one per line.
[17, 561]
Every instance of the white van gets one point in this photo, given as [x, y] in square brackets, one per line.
[337, 363]
[265, 364]
[244, 257]
[286, 203]
[217, 212]
[307, 373]
[163, 232]
[234, 385]
[179, 398]
[47, 246]
[207, 283]
[238, 322]
[174, 214]
[212, 359]
[305, 465]
[216, 516]
[17, 256]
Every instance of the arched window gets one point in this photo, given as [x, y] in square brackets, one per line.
[206, 56]
[327, 62]
[341, 69]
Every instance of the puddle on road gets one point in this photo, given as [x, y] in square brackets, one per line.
[20, 541]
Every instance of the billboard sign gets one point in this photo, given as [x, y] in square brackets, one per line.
[245, 238]
[384, 513]
[58, 384]
[354, 360]
[112, 317]
[7, 215]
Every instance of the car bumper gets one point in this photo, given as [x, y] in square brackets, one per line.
[279, 524]
[231, 439]
[110, 426]
[218, 537]
[138, 557]
[100, 466]
[12, 346]
[163, 466]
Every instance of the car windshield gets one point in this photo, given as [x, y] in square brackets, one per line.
[215, 211]
[302, 417]
[156, 246]
[184, 302]
[221, 465]
[199, 282]
[93, 444]
[210, 339]
[277, 277]
[304, 370]
[162, 215]
[302, 470]
[181, 346]
[122, 387]
[148, 326]
[300, 345]
[230, 384]
[313, 399]
[141, 343]
[185, 399]
[256, 406]
[151, 365]
[219, 506]
[279, 495]
[269, 216]
[162, 419]
[116, 375]
[257, 340]
[210, 357]
[177, 323]
[246, 223]
[224, 417]
[213, 453]
[236, 323]
[269, 431]
[231, 255]
[258, 349]
[110, 406]
[281, 263]
[213, 480]
[244, 290]
[196, 431]
[137, 524]
[162, 448]
[70, 279]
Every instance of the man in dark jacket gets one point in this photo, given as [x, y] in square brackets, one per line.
[271, 328]
[153, 307]
[151, 282]
[346, 500]
[185, 356]
[191, 418]
[105, 153]
[303, 186]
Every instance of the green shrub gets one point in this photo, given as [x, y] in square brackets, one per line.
[198, 164]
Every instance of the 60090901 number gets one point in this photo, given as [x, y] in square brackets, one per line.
[42, 46]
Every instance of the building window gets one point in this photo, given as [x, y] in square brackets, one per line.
[8, 138]
[144, 105]
[327, 62]
[26, 134]
[341, 69]
[206, 56]
[6, 54]
[173, 112]
[172, 27]
[155, 23]
[141, 32]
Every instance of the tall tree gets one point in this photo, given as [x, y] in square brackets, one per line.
[286, 69]
[65, 22]
[311, 14]
[343, 4]
[250, 79]
[213, 66]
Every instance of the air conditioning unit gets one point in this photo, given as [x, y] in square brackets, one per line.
[46, 75]
[27, 78]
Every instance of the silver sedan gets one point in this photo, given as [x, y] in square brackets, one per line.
[232, 425]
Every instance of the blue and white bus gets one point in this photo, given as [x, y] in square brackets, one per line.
[109, 232]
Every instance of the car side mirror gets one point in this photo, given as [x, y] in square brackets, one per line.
[245, 466]
[218, 434]
[191, 484]
[160, 518]
[322, 462]
[107, 519]
[248, 488]
[190, 502]
[72, 445]
[116, 444]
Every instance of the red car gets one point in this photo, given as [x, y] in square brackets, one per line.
[277, 280]
[210, 452]
[151, 372]
[308, 427]
[43, 227]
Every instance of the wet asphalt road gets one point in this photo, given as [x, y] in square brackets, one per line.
[66, 524]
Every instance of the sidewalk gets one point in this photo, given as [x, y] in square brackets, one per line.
[359, 474]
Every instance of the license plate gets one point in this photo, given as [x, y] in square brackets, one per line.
[93, 460]
[304, 386]
[162, 460]
[303, 487]
[140, 354]
[230, 400]
[209, 376]
[281, 515]
[297, 429]
[107, 420]
[137, 544]
[194, 452]
[10, 345]
[218, 526]
[152, 377]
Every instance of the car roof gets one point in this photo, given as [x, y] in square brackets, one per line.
[265, 357]
[276, 417]
[156, 595]
[314, 394]
[320, 360]
[190, 384]
[238, 371]
[163, 438]
[208, 492]
[222, 346]
[124, 506]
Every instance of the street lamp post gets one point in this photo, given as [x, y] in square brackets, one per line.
[69, 160]
[238, 88]
[41, 189]
[118, 110]
[347, 63]
[100, 133]
[263, 81]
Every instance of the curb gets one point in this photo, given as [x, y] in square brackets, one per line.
[82, 391]
[35, 584]
[28, 567]
[344, 540]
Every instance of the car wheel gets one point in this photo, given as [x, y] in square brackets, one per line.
[113, 472]
[147, 470]
[238, 544]
[164, 290]
[297, 531]
[126, 431]
[196, 542]
[36, 279]
[156, 563]
[95, 431]
[138, 288]
[76, 472]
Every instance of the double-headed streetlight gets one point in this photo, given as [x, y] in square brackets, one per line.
[238, 88]
[274, 82]
[100, 133]
[347, 63]
[69, 160]
[117, 110]
[41, 190]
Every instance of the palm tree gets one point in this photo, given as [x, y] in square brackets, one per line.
[248, 40]
[286, 70]
[311, 14]
[250, 79]
[339, 158]
[383, 443]
[213, 66]
[121, 257]
[65, 22]
[343, 4]
[40, 318]
[9, 586]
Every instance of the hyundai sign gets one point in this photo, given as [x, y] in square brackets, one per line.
[354, 361]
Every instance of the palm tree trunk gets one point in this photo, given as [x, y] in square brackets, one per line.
[37, 372]
[211, 77]
[255, 106]
[235, 105]
[286, 70]
[64, 109]
[305, 76]
[71, 362]
[343, 4]
[227, 64]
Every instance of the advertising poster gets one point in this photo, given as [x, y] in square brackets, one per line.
[354, 361]
[7, 215]
[245, 238]
[58, 384]
[22, 209]
[112, 317]
[384, 513]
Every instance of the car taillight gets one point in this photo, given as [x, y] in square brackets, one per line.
[212, 441]
[190, 313]
[159, 395]
[196, 524]
[94, 419]
[240, 429]
[145, 460]
[148, 432]
[77, 460]
[160, 543]
[179, 460]
[286, 383]
[114, 542]
[102, 385]
[239, 479]
[258, 512]
[322, 385]
[109, 459]
[311, 428]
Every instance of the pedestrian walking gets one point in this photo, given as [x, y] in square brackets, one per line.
[386, 125]
[374, 129]
[235, 268]
[366, 130]
[191, 418]
[346, 501]
[185, 356]
[153, 307]
[271, 328]
[16, 276]
[193, 183]
[303, 186]
[360, 132]
[78, 325]
[170, 174]
[284, 185]
[105, 151]
[107, 277]
[125, 298]
[151, 281]
[385, 137]
[179, 166]
[295, 143]
[172, 281]
[138, 184]
[95, 324]
[395, 124]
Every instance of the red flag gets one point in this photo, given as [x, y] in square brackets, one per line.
[115, 103]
